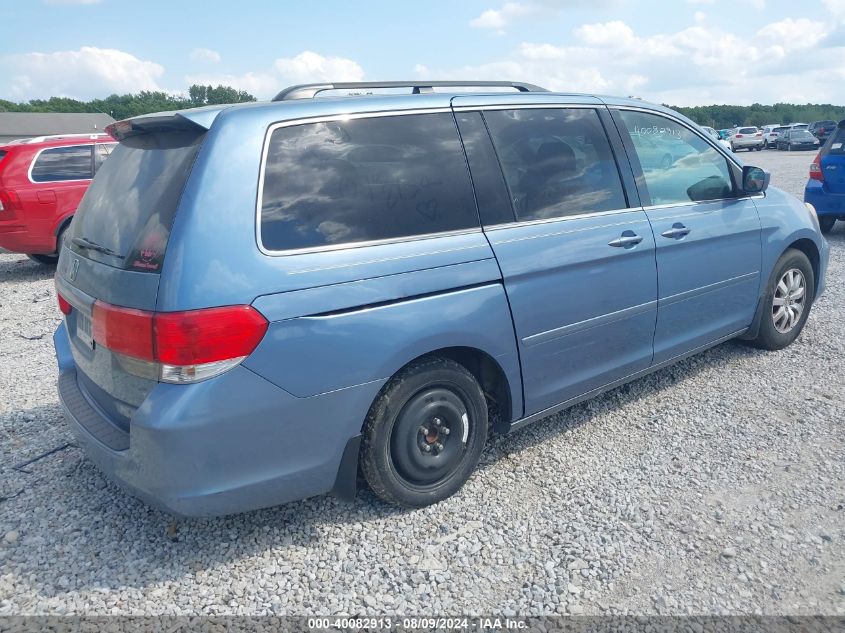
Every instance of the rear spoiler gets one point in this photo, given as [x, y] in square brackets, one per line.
[196, 120]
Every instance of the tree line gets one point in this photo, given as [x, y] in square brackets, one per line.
[144, 102]
[727, 116]
[129, 105]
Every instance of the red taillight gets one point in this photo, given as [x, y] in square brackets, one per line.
[816, 172]
[207, 336]
[64, 305]
[123, 330]
[194, 337]
[739, 136]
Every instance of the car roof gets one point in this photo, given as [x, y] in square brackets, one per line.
[58, 140]
[268, 112]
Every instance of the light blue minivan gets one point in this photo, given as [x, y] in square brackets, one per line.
[263, 301]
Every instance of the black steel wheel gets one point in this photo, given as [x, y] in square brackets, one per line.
[424, 433]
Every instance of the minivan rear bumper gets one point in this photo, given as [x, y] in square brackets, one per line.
[230, 444]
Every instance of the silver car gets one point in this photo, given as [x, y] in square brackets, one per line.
[771, 133]
[749, 138]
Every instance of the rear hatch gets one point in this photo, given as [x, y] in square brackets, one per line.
[832, 160]
[114, 251]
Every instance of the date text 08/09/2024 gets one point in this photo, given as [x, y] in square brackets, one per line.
[412, 623]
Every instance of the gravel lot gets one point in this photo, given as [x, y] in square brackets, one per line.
[714, 486]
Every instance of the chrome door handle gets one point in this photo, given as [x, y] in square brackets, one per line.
[627, 239]
[677, 231]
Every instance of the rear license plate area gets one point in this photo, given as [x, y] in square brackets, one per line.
[83, 330]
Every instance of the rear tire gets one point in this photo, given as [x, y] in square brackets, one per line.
[826, 223]
[424, 434]
[787, 302]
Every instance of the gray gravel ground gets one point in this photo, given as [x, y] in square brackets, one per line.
[714, 486]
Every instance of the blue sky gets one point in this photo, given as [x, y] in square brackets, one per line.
[683, 52]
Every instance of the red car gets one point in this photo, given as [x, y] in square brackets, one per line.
[42, 181]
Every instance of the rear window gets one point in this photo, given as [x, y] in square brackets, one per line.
[835, 144]
[342, 182]
[748, 130]
[62, 163]
[780, 129]
[124, 219]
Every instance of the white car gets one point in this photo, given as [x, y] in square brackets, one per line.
[771, 133]
[715, 136]
[749, 138]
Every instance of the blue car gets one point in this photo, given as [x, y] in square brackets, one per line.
[825, 189]
[263, 301]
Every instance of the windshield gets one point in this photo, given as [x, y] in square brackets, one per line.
[125, 217]
[801, 135]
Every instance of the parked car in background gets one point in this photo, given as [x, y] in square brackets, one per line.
[799, 126]
[795, 139]
[716, 137]
[725, 134]
[379, 282]
[42, 181]
[822, 129]
[749, 138]
[825, 188]
[770, 135]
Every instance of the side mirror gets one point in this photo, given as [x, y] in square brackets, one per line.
[755, 179]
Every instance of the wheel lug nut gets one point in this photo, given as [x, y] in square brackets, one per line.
[424, 430]
[438, 446]
[427, 448]
[445, 430]
[437, 421]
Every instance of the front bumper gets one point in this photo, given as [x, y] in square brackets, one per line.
[230, 444]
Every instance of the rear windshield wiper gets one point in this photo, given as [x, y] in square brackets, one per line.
[93, 246]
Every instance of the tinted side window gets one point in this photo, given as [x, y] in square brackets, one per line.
[341, 182]
[678, 165]
[490, 191]
[63, 163]
[557, 161]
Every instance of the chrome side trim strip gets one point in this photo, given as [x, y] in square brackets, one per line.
[580, 326]
[575, 216]
[44, 149]
[534, 417]
[689, 294]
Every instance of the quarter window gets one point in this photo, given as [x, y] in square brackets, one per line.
[341, 182]
[63, 163]
[557, 161]
[101, 153]
[678, 165]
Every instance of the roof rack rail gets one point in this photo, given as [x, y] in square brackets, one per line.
[309, 91]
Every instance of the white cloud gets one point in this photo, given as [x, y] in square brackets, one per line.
[497, 19]
[306, 67]
[700, 64]
[205, 55]
[82, 74]
[794, 33]
[836, 7]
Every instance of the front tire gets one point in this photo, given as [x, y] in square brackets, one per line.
[424, 434]
[787, 302]
[826, 223]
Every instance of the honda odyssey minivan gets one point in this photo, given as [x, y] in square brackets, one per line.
[263, 301]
